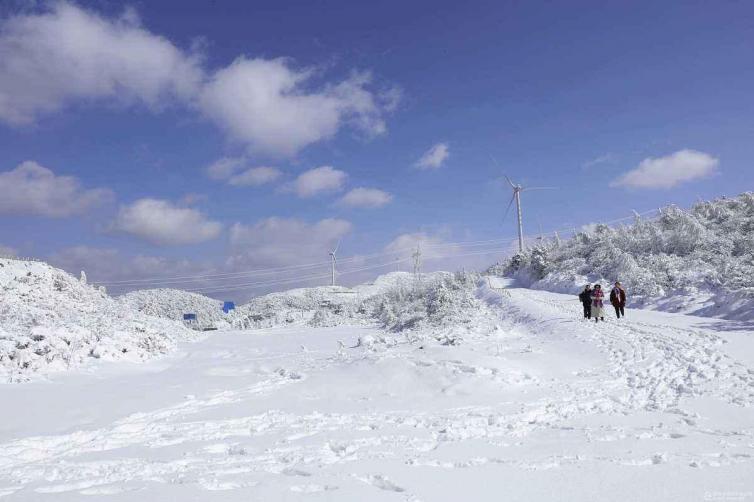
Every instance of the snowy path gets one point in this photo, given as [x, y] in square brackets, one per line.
[547, 407]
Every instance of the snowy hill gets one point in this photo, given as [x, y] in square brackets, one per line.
[699, 261]
[51, 321]
[439, 304]
[173, 303]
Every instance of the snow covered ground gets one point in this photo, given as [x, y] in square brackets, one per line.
[539, 405]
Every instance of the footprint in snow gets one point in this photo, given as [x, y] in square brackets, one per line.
[312, 488]
[296, 472]
[381, 482]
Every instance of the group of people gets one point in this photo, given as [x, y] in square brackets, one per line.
[592, 298]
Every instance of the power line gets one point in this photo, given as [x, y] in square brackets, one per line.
[311, 267]
[285, 269]
[257, 285]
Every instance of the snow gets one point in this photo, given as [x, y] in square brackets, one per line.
[51, 321]
[483, 396]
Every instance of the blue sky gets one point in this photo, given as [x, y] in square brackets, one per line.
[621, 105]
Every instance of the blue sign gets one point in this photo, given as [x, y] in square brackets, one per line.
[189, 317]
[228, 306]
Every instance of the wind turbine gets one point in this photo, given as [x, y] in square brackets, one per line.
[517, 189]
[333, 259]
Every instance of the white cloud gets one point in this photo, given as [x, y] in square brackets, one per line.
[318, 180]
[108, 264]
[63, 54]
[669, 171]
[432, 245]
[52, 58]
[235, 172]
[267, 105]
[225, 167]
[438, 253]
[255, 176]
[598, 161]
[366, 197]
[272, 242]
[192, 198]
[284, 241]
[434, 157]
[160, 222]
[35, 190]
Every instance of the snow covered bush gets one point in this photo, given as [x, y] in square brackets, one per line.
[707, 250]
[51, 321]
[438, 300]
[317, 307]
[397, 301]
[173, 303]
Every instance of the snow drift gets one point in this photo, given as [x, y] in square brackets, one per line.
[51, 321]
[699, 261]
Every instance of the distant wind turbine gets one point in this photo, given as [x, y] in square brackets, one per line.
[517, 189]
[334, 260]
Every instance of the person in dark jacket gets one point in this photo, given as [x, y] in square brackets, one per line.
[586, 300]
[618, 300]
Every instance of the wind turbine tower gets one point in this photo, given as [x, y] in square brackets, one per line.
[333, 261]
[517, 189]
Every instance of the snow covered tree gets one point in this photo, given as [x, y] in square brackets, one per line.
[709, 246]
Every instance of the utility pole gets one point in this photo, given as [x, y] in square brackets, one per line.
[417, 260]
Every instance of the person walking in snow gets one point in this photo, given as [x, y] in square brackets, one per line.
[618, 300]
[586, 300]
[598, 297]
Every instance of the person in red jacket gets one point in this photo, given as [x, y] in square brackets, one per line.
[618, 300]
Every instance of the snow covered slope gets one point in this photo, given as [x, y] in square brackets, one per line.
[699, 261]
[173, 303]
[51, 321]
[541, 407]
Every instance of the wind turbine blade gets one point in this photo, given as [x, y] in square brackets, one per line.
[507, 210]
[510, 182]
[494, 161]
[539, 188]
[336, 247]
